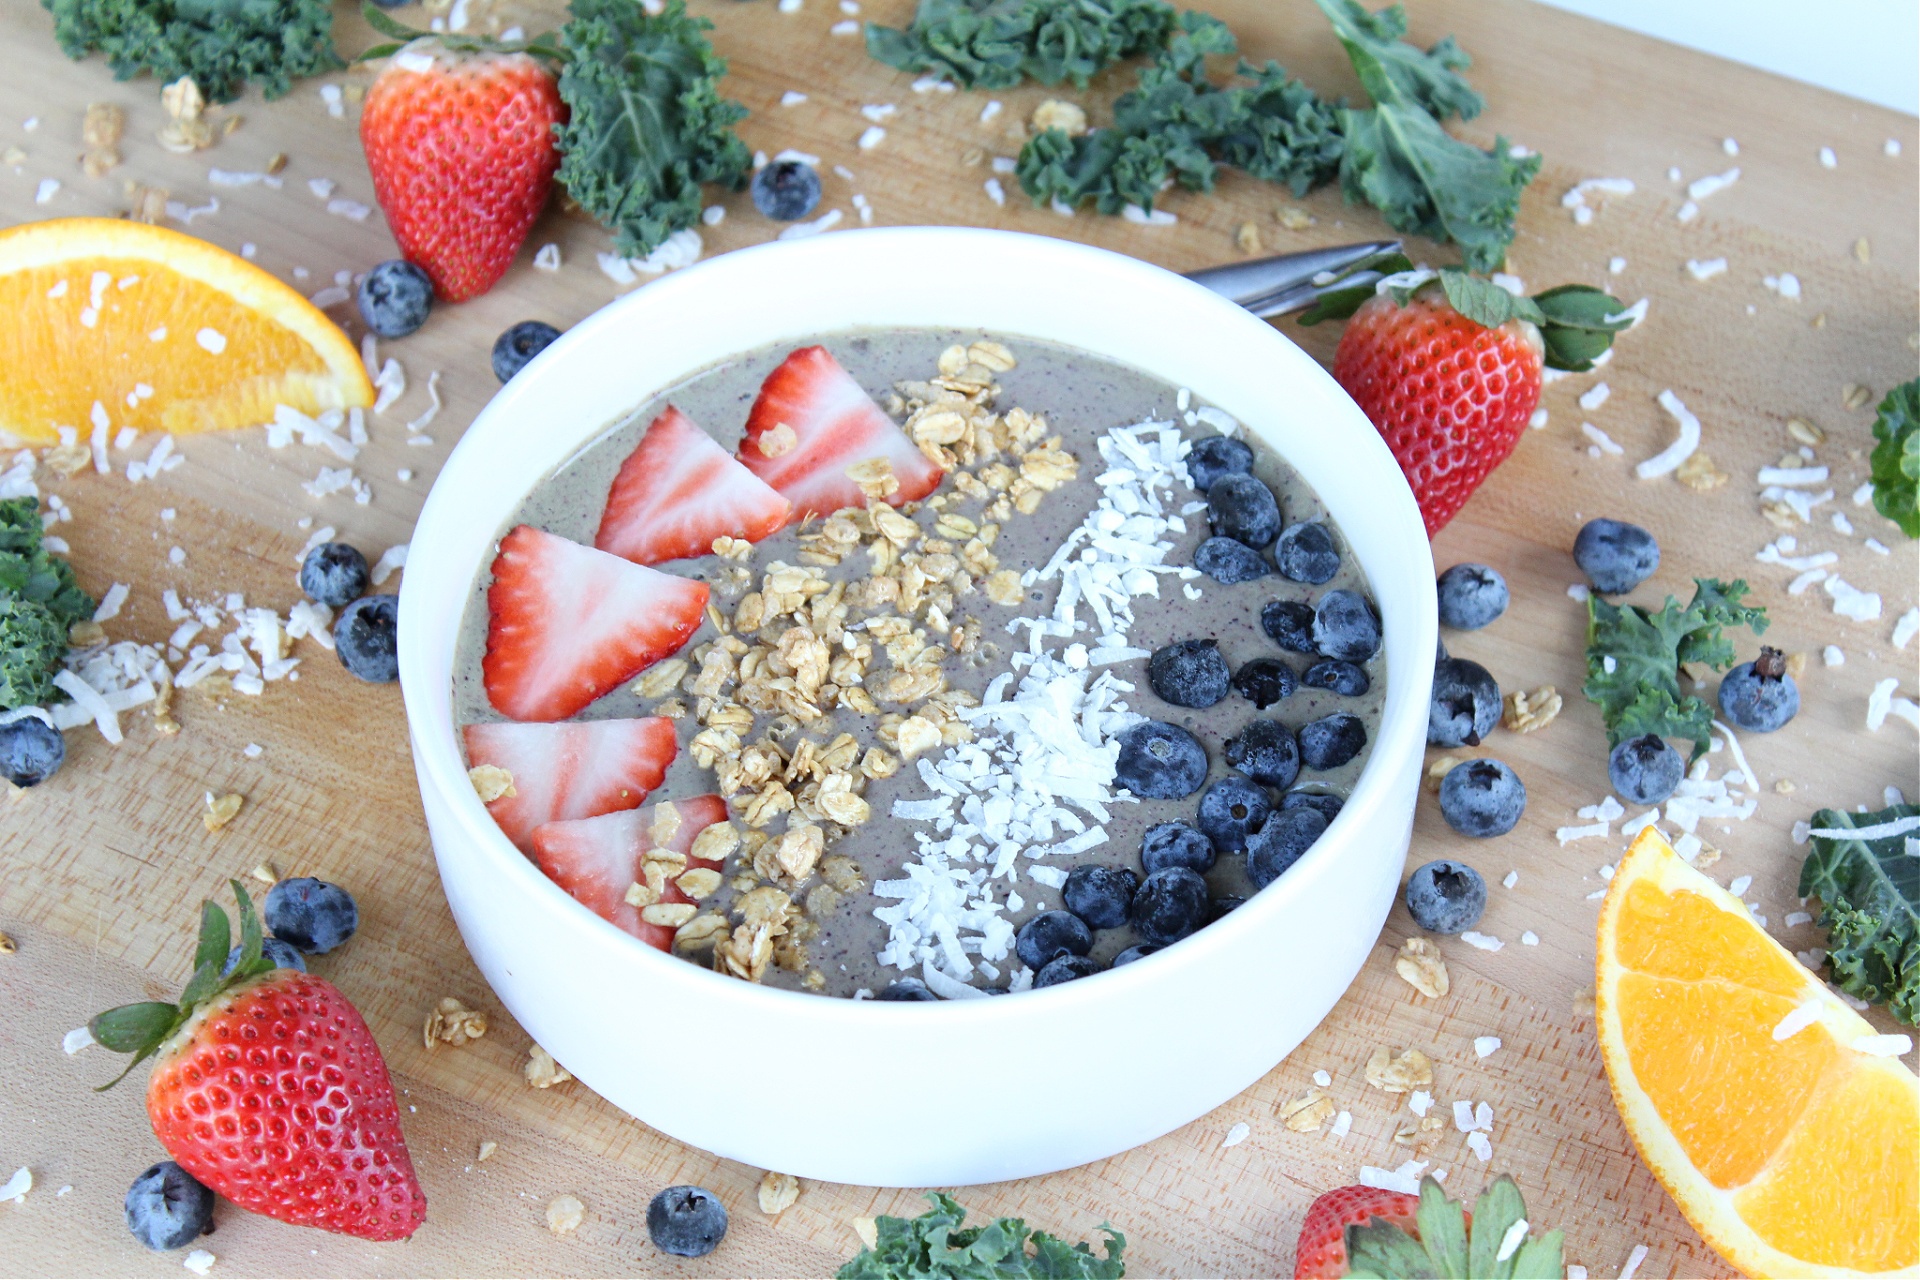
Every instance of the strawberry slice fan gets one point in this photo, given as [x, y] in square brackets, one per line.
[614, 866]
[812, 423]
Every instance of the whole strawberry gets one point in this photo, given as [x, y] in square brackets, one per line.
[269, 1089]
[460, 142]
[1367, 1231]
[1449, 371]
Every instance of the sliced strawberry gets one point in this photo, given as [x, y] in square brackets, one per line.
[678, 491]
[835, 424]
[579, 769]
[1321, 1252]
[595, 859]
[568, 623]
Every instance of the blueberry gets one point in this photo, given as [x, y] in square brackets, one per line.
[1289, 623]
[1337, 677]
[311, 914]
[1220, 908]
[1331, 741]
[786, 190]
[1214, 456]
[1100, 895]
[1265, 681]
[1239, 506]
[1305, 553]
[366, 636]
[1138, 951]
[1050, 935]
[1170, 905]
[31, 751]
[1482, 798]
[1160, 761]
[395, 298]
[334, 574]
[284, 955]
[167, 1208]
[1324, 803]
[1231, 810]
[1446, 897]
[1760, 696]
[1175, 844]
[1229, 563]
[1064, 969]
[1279, 844]
[1615, 556]
[1266, 752]
[1189, 673]
[1465, 706]
[1344, 626]
[687, 1221]
[516, 346]
[1645, 770]
[1471, 596]
[906, 989]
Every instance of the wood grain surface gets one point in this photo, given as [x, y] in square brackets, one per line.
[103, 868]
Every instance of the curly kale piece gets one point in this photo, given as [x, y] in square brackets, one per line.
[223, 44]
[32, 645]
[936, 1246]
[1634, 657]
[29, 572]
[1869, 893]
[1896, 459]
[647, 125]
[1178, 125]
[996, 44]
[1423, 180]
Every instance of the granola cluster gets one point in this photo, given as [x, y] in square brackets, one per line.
[801, 642]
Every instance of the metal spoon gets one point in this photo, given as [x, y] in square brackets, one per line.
[1277, 285]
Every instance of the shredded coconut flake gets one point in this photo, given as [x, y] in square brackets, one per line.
[1798, 1020]
[1670, 458]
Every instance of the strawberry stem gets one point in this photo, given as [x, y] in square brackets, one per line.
[140, 1029]
[399, 35]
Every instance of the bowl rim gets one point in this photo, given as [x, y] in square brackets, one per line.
[438, 759]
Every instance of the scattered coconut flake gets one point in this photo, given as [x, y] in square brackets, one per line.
[1634, 826]
[17, 1186]
[1237, 1134]
[1510, 879]
[1798, 1020]
[1510, 1242]
[1404, 1179]
[714, 214]
[427, 415]
[1463, 1116]
[48, 188]
[799, 157]
[1578, 591]
[996, 192]
[1537, 419]
[792, 98]
[76, 1040]
[1706, 270]
[201, 1261]
[1888, 1046]
[1851, 602]
[1828, 160]
[1141, 217]
[1639, 1254]
[1739, 885]
[1478, 1144]
[801, 230]
[1876, 546]
[933, 84]
[1632, 316]
[846, 28]
[547, 258]
[1602, 442]
[1786, 284]
[1483, 941]
[1701, 188]
[1793, 476]
[1773, 553]
[871, 137]
[1597, 830]
[1670, 458]
[993, 108]
[1322, 1078]
[1529, 939]
[1484, 1046]
[1687, 212]
[179, 211]
[351, 210]
[392, 559]
[1879, 831]
[1576, 1272]
[211, 340]
[110, 603]
[1595, 396]
[1880, 702]
[236, 178]
[1905, 629]
[90, 702]
[1342, 1125]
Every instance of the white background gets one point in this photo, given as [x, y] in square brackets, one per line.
[1864, 48]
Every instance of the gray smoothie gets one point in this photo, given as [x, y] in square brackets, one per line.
[1082, 397]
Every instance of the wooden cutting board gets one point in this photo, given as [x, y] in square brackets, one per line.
[103, 867]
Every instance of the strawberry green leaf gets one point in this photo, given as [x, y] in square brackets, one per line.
[251, 939]
[1338, 303]
[1896, 459]
[1443, 1229]
[1578, 325]
[205, 981]
[133, 1027]
[1393, 71]
[1425, 182]
[1541, 1257]
[1869, 893]
[1494, 1213]
[1378, 1250]
[216, 935]
[1634, 657]
[646, 125]
[1484, 302]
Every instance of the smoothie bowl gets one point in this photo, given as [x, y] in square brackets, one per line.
[919, 707]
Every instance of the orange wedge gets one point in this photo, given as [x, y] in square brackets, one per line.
[1794, 1155]
[147, 328]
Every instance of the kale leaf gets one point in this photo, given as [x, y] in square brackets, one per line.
[996, 44]
[647, 125]
[1896, 459]
[1869, 893]
[39, 603]
[936, 1245]
[223, 44]
[1179, 126]
[1634, 657]
[1391, 70]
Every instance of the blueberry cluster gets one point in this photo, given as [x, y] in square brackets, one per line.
[1247, 523]
[167, 1207]
[366, 633]
[396, 297]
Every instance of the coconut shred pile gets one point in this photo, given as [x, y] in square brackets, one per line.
[1037, 780]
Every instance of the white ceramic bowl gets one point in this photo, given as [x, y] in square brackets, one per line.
[946, 1093]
